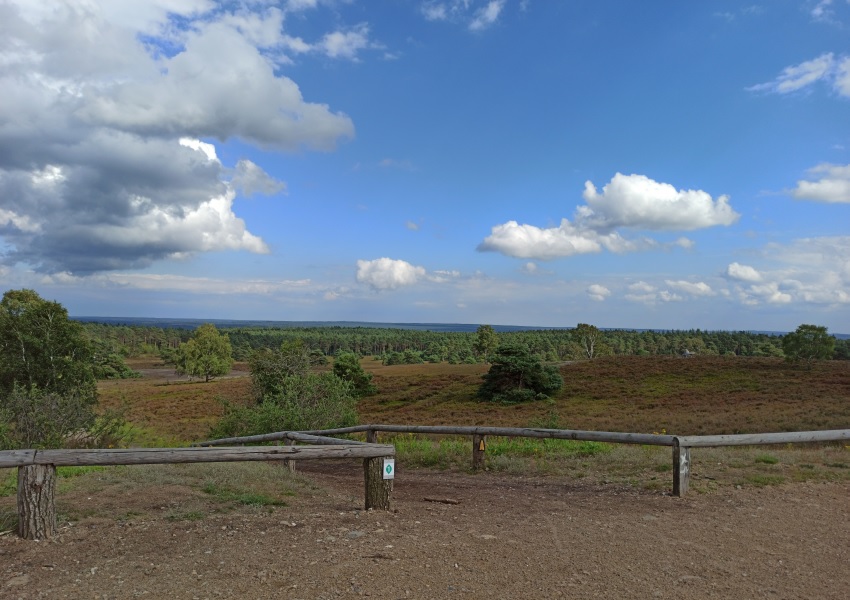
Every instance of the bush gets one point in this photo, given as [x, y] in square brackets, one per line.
[347, 367]
[518, 376]
[307, 402]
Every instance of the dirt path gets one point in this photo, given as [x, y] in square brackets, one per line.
[507, 537]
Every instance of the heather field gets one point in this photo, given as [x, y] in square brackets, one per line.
[699, 395]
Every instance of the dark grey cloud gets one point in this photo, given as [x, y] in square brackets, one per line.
[95, 170]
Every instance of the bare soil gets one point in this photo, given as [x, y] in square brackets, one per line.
[450, 535]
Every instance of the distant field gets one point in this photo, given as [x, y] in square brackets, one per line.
[700, 395]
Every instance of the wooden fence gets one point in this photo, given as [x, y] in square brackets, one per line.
[37, 470]
[681, 445]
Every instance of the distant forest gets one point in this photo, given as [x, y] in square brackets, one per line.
[400, 345]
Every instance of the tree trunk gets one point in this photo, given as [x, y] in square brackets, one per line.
[36, 506]
[378, 490]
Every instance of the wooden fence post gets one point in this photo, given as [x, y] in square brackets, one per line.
[681, 468]
[378, 490]
[289, 464]
[371, 436]
[479, 444]
[36, 502]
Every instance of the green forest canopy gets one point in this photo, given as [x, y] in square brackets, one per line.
[398, 345]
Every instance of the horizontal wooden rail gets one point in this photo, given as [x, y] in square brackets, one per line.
[152, 456]
[37, 470]
[529, 432]
[755, 439]
[297, 436]
[681, 445]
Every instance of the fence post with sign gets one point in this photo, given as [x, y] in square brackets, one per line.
[479, 445]
[379, 474]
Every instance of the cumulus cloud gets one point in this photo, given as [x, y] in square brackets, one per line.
[806, 271]
[529, 241]
[638, 202]
[832, 184]
[741, 272]
[251, 179]
[105, 106]
[633, 202]
[388, 274]
[346, 44]
[598, 292]
[645, 293]
[835, 71]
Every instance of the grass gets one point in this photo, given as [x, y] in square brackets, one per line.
[181, 492]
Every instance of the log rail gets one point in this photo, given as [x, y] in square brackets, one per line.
[680, 445]
[37, 471]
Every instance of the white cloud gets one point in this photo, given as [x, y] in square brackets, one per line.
[638, 202]
[833, 185]
[645, 293]
[598, 292]
[119, 96]
[388, 274]
[699, 288]
[251, 179]
[346, 44]
[528, 241]
[487, 15]
[842, 77]
[632, 201]
[412, 226]
[808, 271]
[742, 272]
[473, 14]
[826, 67]
[435, 11]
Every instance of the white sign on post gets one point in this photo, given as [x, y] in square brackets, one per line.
[389, 468]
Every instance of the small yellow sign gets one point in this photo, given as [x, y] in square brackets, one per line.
[481, 445]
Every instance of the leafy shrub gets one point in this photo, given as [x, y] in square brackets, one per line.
[308, 402]
[517, 376]
[347, 367]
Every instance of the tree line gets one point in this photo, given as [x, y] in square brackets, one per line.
[405, 346]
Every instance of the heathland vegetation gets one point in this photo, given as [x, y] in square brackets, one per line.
[305, 378]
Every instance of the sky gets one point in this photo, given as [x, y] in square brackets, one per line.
[668, 165]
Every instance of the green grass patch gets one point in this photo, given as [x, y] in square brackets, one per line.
[766, 459]
[192, 515]
[456, 452]
[9, 483]
[761, 479]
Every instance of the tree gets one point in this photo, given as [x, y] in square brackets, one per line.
[207, 354]
[41, 348]
[809, 343]
[47, 385]
[589, 340]
[518, 376]
[347, 367]
[486, 341]
[270, 367]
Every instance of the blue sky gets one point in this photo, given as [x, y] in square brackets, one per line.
[647, 165]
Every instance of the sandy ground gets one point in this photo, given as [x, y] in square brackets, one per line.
[506, 537]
